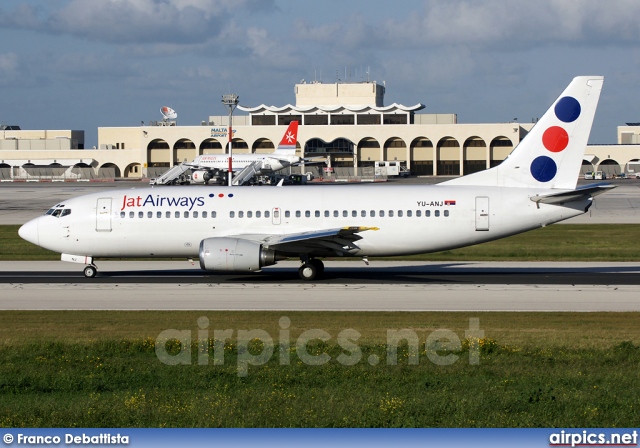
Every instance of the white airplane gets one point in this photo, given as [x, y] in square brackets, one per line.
[209, 166]
[245, 229]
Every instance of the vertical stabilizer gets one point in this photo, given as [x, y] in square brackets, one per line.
[551, 154]
[287, 145]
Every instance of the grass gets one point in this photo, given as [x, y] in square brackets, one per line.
[567, 242]
[100, 369]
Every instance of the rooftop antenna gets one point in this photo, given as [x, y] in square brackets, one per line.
[368, 72]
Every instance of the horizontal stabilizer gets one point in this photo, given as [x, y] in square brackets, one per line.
[573, 195]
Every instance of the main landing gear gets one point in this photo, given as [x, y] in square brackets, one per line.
[90, 271]
[311, 269]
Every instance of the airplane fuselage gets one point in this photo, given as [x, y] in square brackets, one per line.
[220, 162]
[172, 221]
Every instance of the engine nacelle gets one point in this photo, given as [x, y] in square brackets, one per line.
[235, 254]
[201, 176]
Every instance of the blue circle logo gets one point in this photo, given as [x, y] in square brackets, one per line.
[543, 169]
[567, 109]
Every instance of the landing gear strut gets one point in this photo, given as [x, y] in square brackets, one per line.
[311, 269]
[90, 271]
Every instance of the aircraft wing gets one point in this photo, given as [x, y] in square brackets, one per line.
[573, 195]
[338, 241]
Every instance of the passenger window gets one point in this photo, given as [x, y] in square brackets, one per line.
[267, 214]
[427, 213]
[204, 214]
[345, 213]
[140, 214]
[354, 213]
[390, 213]
[65, 212]
[167, 214]
[231, 214]
[177, 214]
[258, 214]
[437, 213]
[336, 213]
[372, 213]
[122, 214]
[249, 214]
[446, 213]
[195, 214]
[131, 215]
[241, 214]
[317, 213]
[418, 213]
[307, 214]
[297, 213]
[382, 213]
[409, 213]
[287, 214]
[327, 214]
[399, 213]
[363, 213]
[149, 214]
[186, 214]
[159, 215]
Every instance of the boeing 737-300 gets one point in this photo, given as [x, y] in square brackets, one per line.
[241, 229]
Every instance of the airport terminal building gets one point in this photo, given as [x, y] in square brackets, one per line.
[345, 122]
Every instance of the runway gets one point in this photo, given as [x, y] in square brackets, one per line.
[386, 286]
[466, 286]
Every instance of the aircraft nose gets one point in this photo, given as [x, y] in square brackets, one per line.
[29, 232]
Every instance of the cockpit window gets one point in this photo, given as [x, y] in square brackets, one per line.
[58, 211]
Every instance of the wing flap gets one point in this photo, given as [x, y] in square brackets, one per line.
[339, 240]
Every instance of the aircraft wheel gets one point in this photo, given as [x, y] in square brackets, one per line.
[308, 271]
[90, 271]
[318, 264]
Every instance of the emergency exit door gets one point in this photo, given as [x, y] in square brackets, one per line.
[482, 213]
[103, 215]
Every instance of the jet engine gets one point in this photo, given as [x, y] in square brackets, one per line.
[201, 176]
[235, 254]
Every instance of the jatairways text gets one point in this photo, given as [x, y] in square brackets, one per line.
[162, 201]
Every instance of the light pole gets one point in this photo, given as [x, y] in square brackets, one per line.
[230, 101]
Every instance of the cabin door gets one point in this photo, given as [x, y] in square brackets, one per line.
[275, 216]
[103, 215]
[482, 213]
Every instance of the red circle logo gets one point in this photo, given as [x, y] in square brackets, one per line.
[555, 139]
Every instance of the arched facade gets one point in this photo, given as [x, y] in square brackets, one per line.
[108, 171]
[368, 151]
[499, 149]
[184, 150]
[610, 167]
[474, 155]
[210, 146]
[133, 170]
[262, 146]
[395, 149]
[448, 157]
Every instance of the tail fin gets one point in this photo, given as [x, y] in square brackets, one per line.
[287, 145]
[551, 154]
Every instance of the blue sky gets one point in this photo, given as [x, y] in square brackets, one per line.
[79, 64]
